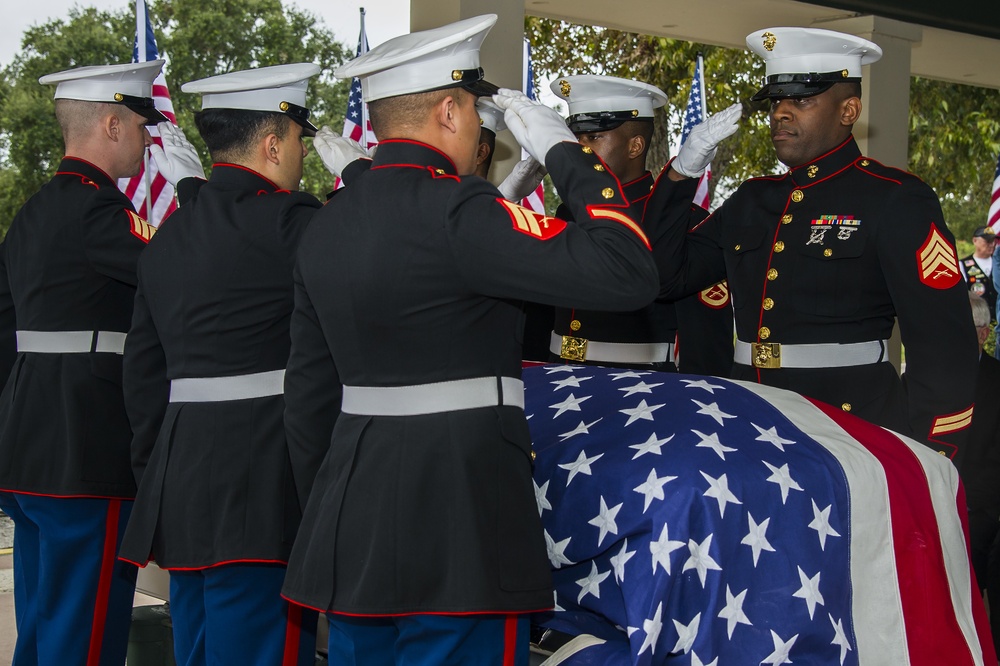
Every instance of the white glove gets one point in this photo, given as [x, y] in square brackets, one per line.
[535, 126]
[336, 151]
[699, 149]
[523, 179]
[177, 159]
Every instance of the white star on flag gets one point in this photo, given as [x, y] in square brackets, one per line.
[782, 477]
[713, 411]
[821, 523]
[651, 445]
[686, 633]
[628, 374]
[661, 549]
[582, 429]
[771, 436]
[540, 496]
[757, 538]
[580, 466]
[652, 627]
[605, 520]
[781, 650]
[839, 638]
[712, 442]
[641, 387]
[556, 550]
[618, 561]
[652, 488]
[700, 559]
[556, 369]
[572, 380]
[641, 411]
[733, 612]
[719, 489]
[809, 591]
[702, 384]
[696, 661]
[592, 583]
[570, 404]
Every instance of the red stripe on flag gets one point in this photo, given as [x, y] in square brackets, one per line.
[924, 592]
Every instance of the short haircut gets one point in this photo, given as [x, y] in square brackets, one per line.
[490, 139]
[981, 314]
[231, 134]
[391, 115]
[849, 89]
[643, 128]
[78, 118]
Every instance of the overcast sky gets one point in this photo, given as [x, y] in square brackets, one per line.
[383, 18]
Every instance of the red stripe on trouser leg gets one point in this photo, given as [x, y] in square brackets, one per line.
[509, 640]
[293, 631]
[104, 583]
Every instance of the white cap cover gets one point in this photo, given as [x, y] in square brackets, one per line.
[129, 83]
[800, 62]
[490, 115]
[433, 59]
[598, 103]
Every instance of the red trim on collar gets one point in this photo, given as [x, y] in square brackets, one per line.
[425, 145]
[248, 170]
[80, 159]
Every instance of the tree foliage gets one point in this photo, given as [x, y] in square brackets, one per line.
[954, 129]
[198, 39]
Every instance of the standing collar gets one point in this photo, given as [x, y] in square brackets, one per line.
[638, 188]
[409, 153]
[827, 164]
[81, 167]
[240, 176]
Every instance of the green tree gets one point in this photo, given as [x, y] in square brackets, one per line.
[954, 129]
[198, 39]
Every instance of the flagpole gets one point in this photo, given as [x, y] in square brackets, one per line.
[140, 54]
[363, 49]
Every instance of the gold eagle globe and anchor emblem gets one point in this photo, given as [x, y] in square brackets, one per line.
[769, 40]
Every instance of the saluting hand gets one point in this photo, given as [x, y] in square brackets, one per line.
[177, 159]
[699, 149]
[535, 126]
[523, 179]
[337, 151]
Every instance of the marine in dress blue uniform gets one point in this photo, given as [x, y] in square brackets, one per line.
[823, 259]
[204, 367]
[67, 281]
[421, 537]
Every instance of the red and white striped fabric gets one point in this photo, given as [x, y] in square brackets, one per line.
[151, 194]
[697, 520]
[536, 200]
[993, 216]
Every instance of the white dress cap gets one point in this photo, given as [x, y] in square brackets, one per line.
[600, 103]
[444, 57]
[279, 89]
[490, 115]
[801, 62]
[130, 84]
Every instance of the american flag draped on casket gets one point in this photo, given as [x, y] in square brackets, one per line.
[702, 521]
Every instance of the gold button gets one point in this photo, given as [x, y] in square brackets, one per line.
[779, 246]
[119, 97]
[846, 406]
[575, 325]
[768, 303]
[439, 172]
[607, 193]
[587, 150]
[797, 196]
[785, 219]
[598, 167]
[827, 252]
[844, 73]
[283, 106]
[737, 248]
[764, 333]
[865, 162]
[772, 274]
[533, 456]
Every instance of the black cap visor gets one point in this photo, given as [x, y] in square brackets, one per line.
[144, 106]
[299, 114]
[601, 121]
[778, 86]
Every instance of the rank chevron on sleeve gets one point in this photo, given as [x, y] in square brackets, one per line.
[938, 262]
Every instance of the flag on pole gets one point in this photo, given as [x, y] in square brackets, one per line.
[536, 200]
[694, 113]
[151, 194]
[356, 123]
[993, 217]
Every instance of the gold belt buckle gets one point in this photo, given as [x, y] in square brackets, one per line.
[766, 355]
[573, 349]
